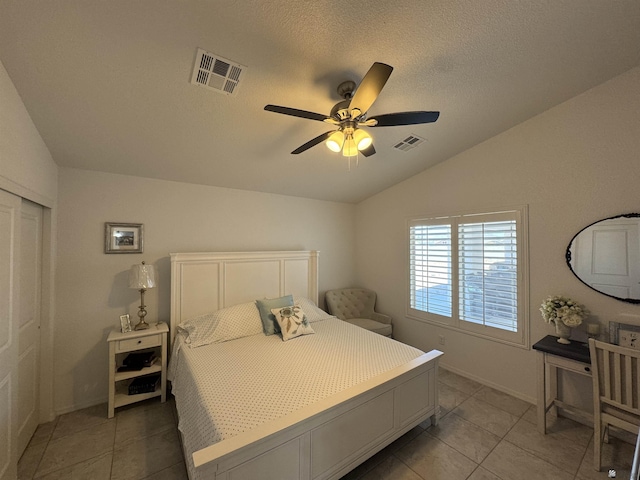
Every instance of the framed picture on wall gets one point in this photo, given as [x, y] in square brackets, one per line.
[123, 237]
[125, 323]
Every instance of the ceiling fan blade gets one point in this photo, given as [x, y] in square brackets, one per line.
[313, 142]
[404, 118]
[370, 87]
[367, 152]
[294, 112]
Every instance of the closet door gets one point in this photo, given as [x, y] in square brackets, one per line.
[29, 329]
[9, 311]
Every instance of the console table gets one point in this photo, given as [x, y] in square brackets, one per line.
[551, 357]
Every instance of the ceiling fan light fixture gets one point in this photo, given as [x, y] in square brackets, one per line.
[350, 148]
[335, 141]
[363, 139]
[350, 114]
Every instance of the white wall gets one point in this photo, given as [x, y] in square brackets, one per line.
[574, 164]
[28, 171]
[26, 166]
[92, 287]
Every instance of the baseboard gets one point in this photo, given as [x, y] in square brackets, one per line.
[80, 406]
[487, 383]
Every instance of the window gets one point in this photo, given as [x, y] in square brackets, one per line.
[468, 271]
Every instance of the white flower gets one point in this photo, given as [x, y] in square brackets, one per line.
[565, 310]
[572, 320]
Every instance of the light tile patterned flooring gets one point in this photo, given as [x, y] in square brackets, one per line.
[483, 434]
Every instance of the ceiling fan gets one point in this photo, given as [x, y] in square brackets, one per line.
[350, 114]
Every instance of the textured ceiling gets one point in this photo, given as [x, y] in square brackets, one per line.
[107, 84]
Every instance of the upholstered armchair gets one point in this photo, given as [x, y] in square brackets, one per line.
[356, 306]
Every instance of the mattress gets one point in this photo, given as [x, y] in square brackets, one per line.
[227, 388]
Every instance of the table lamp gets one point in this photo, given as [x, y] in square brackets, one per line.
[142, 277]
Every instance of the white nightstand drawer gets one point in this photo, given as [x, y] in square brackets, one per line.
[138, 343]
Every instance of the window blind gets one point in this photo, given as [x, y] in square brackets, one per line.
[430, 267]
[488, 274]
[467, 272]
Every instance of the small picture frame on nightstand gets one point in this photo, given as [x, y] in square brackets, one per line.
[125, 323]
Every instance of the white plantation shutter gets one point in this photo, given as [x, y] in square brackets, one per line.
[467, 271]
[430, 267]
[488, 268]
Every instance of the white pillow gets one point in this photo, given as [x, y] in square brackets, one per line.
[292, 321]
[233, 322]
[312, 312]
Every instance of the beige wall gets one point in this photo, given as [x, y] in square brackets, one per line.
[92, 288]
[572, 165]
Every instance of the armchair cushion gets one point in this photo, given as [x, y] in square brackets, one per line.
[356, 305]
[373, 326]
[381, 317]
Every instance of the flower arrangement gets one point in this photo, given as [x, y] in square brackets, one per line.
[563, 309]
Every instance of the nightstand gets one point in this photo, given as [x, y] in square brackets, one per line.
[122, 344]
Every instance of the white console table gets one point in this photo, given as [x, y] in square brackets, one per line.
[551, 357]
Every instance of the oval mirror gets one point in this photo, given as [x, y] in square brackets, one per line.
[606, 257]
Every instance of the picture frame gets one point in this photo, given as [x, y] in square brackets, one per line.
[624, 335]
[125, 323]
[123, 237]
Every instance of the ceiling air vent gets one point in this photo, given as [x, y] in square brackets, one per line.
[216, 73]
[408, 143]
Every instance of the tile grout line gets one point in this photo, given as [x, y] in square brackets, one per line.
[502, 439]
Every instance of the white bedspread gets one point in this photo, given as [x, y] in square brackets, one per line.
[227, 388]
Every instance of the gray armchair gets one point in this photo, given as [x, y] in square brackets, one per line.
[356, 306]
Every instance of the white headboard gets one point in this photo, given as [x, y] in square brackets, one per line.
[206, 282]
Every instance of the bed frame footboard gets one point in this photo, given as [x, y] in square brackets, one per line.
[330, 438]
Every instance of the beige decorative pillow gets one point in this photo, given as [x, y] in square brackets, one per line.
[293, 322]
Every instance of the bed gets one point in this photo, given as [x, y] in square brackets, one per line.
[252, 406]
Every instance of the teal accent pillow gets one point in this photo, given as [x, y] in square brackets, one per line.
[269, 323]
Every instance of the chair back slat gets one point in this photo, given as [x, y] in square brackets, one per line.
[628, 373]
[638, 382]
[607, 374]
[617, 380]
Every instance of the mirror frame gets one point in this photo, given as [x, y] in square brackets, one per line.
[568, 256]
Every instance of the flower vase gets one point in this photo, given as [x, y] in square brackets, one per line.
[563, 332]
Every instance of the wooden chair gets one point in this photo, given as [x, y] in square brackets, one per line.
[616, 388]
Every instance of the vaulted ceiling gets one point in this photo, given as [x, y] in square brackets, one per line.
[108, 84]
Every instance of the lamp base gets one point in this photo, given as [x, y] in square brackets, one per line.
[142, 312]
[142, 325]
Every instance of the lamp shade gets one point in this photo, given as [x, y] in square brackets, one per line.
[335, 141]
[362, 139]
[142, 276]
[350, 149]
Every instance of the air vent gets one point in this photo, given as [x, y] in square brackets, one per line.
[217, 73]
[408, 143]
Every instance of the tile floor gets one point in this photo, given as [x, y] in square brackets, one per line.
[483, 434]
